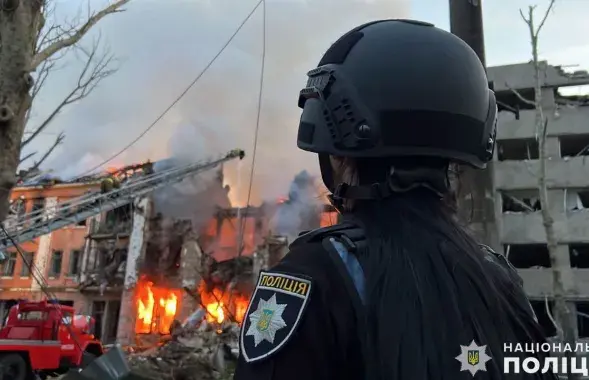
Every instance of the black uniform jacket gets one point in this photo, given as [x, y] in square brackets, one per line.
[323, 343]
[303, 323]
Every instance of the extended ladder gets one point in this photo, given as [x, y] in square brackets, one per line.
[42, 222]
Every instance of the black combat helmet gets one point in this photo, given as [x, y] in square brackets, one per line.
[394, 88]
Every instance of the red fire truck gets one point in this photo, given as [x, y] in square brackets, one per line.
[45, 339]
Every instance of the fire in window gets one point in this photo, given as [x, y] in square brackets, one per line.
[156, 308]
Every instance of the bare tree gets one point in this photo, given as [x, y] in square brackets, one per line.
[565, 317]
[29, 51]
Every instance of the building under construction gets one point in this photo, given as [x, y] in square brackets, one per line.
[515, 181]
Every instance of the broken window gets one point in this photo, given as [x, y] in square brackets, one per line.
[9, 264]
[38, 205]
[37, 210]
[75, 262]
[543, 317]
[579, 255]
[118, 220]
[583, 319]
[572, 96]
[55, 266]
[577, 199]
[517, 149]
[520, 201]
[27, 259]
[574, 145]
[528, 256]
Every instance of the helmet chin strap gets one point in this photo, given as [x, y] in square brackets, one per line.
[398, 181]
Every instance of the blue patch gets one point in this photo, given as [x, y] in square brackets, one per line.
[273, 314]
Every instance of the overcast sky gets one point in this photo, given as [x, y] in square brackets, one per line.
[162, 45]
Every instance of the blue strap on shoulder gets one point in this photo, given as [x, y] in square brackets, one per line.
[353, 266]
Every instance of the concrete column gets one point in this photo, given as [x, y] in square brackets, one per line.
[127, 318]
[136, 252]
[548, 101]
[43, 254]
[137, 243]
[563, 262]
[552, 147]
[557, 201]
[191, 270]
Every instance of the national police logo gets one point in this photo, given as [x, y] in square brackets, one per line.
[473, 358]
[273, 314]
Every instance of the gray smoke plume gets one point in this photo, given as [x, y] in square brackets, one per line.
[196, 198]
[163, 45]
[301, 211]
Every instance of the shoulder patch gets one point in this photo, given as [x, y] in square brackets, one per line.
[274, 312]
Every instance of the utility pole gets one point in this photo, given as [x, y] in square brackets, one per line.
[466, 22]
[476, 196]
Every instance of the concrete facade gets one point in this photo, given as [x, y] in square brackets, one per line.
[515, 180]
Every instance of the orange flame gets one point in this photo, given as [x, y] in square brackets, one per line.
[222, 305]
[156, 308]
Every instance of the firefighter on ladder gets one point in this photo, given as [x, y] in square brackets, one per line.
[109, 184]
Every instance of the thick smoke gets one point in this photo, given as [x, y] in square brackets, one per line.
[196, 198]
[301, 210]
[163, 45]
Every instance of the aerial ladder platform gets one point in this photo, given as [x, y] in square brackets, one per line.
[35, 224]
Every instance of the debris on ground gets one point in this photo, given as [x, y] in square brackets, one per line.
[193, 352]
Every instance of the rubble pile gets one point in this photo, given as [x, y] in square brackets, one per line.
[193, 352]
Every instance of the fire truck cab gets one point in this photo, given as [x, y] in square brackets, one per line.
[46, 339]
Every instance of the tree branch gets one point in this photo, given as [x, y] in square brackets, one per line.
[47, 153]
[95, 70]
[69, 38]
[47, 67]
[520, 96]
[539, 28]
[23, 159]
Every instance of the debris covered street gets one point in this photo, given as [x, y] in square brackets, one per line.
[198, 352]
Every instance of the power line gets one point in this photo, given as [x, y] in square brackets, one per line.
[257, 130]
[161, 116]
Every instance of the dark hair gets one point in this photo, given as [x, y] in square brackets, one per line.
[430, 289]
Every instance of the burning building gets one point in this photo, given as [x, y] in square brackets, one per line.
[139, 268]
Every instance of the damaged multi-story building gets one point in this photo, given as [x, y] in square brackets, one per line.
[515, 180]
[142, 266]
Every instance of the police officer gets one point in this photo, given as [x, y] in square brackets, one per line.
[398, 290]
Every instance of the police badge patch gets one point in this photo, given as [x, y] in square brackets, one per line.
[273, 314]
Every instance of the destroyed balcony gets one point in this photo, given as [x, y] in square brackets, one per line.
[562, 121]
[520, 228]
[560, 173]
[112, 230]
[521, 76]
[538, 283]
